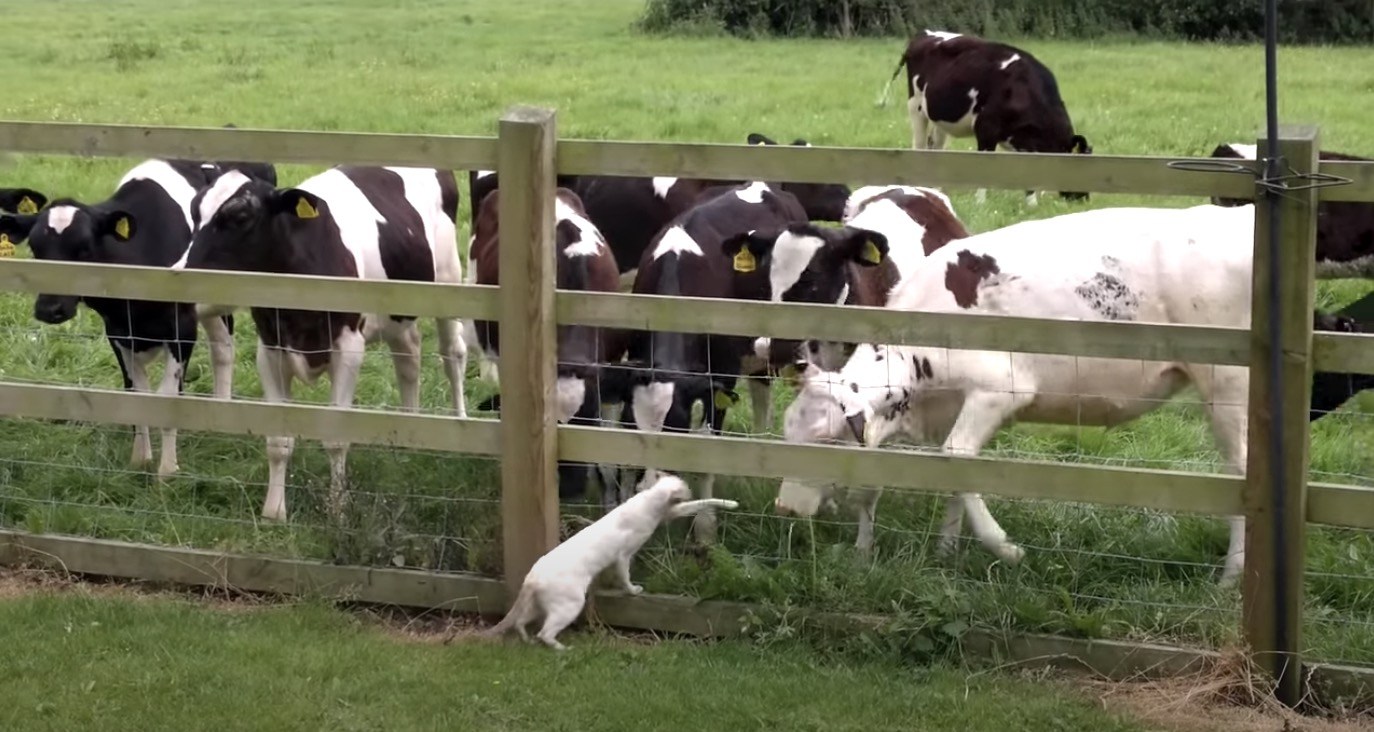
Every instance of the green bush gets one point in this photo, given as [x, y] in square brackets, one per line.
[1300, 21]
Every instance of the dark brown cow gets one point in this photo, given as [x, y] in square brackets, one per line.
[964, 86]
[1345, 229]
[585, 263]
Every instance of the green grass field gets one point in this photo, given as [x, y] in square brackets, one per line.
[128, 662]
[449, 66]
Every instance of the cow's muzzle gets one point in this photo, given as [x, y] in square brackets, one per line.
[857, 424]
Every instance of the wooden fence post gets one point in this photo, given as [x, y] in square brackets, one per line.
[529, 441]
[1275, 536]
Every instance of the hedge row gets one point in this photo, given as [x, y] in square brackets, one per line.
[1300, 21]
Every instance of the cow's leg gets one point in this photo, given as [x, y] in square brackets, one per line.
[135, 368]
[453, 349]
[984, 145]
[616, 482]
[274, 371]
[761, 402]
[1225, 397]
[173, 382]
[982, 415]
[221, 341]
[345, 363]
[920, 124]
[952, 526]
[403, 338]
[868, 510]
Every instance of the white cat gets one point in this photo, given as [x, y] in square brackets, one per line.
[557, 584]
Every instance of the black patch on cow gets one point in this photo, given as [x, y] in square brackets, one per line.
[925, 365]
[402, 239]
[1108, 296]
[962, 277]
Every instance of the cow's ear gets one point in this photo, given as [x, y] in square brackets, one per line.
[118, 224]
[799, 142]
[298, 203]
[747, 249]
[22, 200]
[14, 229]
[1079, 144]
[757, 139]
[863, 246]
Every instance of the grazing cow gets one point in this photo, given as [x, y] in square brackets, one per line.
[147, 222]
[1182, 266]
[812, 264]
[361, 222]
[667, 374]
[1345, 229]
[629, 211]
[585, 263]
[962, 86]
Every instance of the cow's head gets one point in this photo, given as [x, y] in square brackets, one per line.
[805, 263]
[1232, 151]
[69, 231]
[1331, 390]
[830, 409]
[242, 222]
[822, 201]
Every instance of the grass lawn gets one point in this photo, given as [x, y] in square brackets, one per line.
[452, 66]
[118, 662]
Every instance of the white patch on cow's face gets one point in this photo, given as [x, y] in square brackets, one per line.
[943, 35]
[677, 241]
[1014, 58]
[484, 173]
[1245, 151]
[223, 189]
[753, 193]
[651, 405]
[791, 255]
[60, 217]
[662, 184]
[569, 391]
[590, 243]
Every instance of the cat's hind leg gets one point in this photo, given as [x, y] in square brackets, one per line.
[559, 613]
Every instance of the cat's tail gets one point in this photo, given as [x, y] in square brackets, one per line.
[519, 611]
[688, 508]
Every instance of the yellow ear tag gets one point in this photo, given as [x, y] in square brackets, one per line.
[871, 253]
[304, 210]
[6, 246]
[723, 400]
[122, 227]
[744, 260]
[27, 206]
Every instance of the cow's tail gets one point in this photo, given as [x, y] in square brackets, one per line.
[519, 612]
[887, 88]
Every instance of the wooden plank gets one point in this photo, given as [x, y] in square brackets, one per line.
[944, 168]
[270, 146]
[1331, 504]
[1149, 341]
[529, 440]
[243, 289]
[1118, 660]
[1216, 495]
[1361, 186]
[1275, 492]
[1346, 353]
[430, 432]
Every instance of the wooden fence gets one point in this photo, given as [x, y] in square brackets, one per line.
[527, 154]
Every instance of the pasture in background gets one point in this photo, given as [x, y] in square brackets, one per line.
[453, 67]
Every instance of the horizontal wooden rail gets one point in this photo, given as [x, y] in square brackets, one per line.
[1331, 504]
[425, 431]
[271, 146]
[1360, 187]
[1150, 341]
[242, 289]
[1349, 353]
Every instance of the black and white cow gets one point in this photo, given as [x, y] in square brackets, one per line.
[353, 222]
[1345, 229]
[807, 263]
[963, 86]
[585, 263]
[630, 211]
[667, 374]
[147, 222]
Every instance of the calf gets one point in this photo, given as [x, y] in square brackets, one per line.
[1345, 229]
[351, 222]
[629, 211]
[585, 263]
[962, 86]
[1188, 266]
[147, 222]
[888, 231]
[667, 374]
